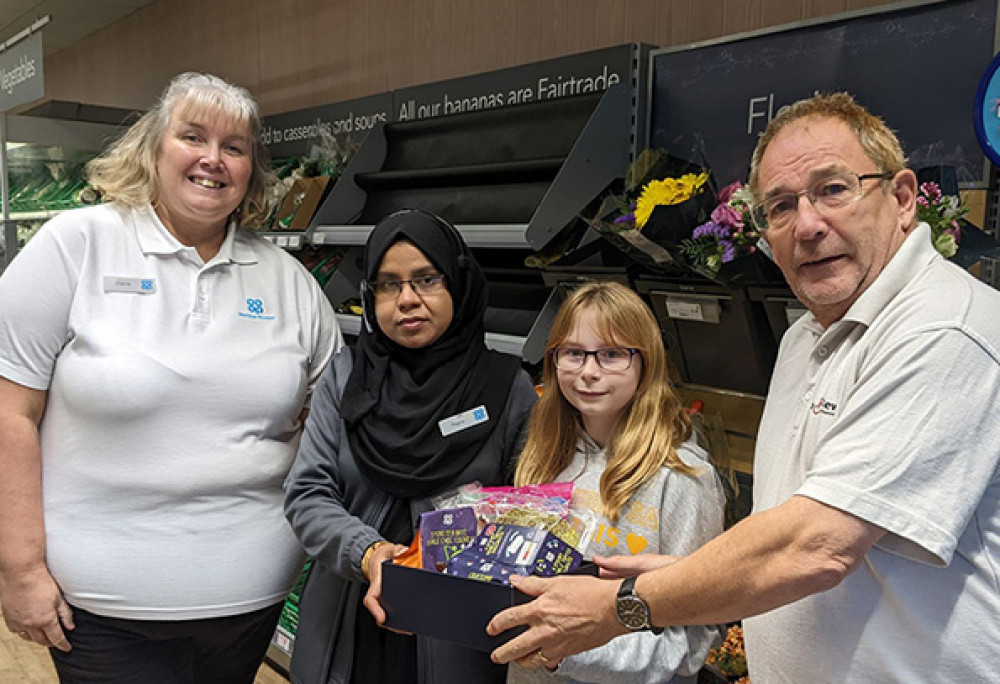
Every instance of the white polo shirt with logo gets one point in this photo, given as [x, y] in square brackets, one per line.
[174, 389]
[891, 415]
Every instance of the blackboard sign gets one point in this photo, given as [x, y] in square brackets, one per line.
[916, 66]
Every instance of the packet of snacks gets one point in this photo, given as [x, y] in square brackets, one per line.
[519, 530]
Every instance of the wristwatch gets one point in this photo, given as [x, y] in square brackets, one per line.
[631, 610]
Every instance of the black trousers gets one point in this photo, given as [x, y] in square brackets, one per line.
[226, 650]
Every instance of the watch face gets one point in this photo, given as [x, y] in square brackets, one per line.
[632, 612]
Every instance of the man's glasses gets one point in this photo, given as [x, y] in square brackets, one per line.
[778, 212]
[612, 359]
[422, 285]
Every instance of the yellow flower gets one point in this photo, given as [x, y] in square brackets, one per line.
[665, 192]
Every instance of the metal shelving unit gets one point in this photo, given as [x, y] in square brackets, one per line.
[487, 236]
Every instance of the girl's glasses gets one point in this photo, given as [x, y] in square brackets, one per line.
[612, 359]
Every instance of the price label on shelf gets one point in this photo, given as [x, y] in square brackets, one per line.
[685, 309]
[282, 640]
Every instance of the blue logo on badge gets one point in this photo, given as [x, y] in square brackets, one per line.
[255, 310]
[479, 414]
[146, 285]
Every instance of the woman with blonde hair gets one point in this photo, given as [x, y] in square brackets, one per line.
[610, 422]
[155, 359]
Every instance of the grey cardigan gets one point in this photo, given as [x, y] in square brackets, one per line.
[335, 512]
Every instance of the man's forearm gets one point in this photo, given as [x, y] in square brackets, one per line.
[768, 560]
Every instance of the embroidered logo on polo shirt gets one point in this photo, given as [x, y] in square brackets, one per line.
[255, 310]
[827, 408]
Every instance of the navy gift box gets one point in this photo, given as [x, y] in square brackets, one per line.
[455, 609]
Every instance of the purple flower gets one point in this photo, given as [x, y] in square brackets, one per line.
[932, 190]
[727, 192]
[713, 229]
[626, 218]
[728, 216]
[728, 250]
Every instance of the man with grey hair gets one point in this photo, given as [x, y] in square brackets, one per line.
[873, 552]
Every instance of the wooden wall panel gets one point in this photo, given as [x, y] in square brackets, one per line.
[739, 16]
[127, 64]
[299, 53]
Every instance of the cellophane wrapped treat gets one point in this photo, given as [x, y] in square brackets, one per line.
[490, 533]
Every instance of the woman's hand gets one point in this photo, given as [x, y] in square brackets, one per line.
[34, 608]
[619, 567]
[379, 555]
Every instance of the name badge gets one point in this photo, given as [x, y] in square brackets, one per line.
[463, 421]
[133, 285]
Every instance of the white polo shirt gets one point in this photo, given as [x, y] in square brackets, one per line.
[890, 414]
[174, 388]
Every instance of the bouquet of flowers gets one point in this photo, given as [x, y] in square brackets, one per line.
[727, 235]
[670, 219]
[663, 199]
[942, 213]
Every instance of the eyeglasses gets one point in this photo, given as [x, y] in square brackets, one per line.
[778, 212]
[422, 285]
[611, 359]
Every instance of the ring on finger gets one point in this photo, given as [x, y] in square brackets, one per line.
[542, 658]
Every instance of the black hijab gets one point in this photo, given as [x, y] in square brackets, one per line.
[395, 396]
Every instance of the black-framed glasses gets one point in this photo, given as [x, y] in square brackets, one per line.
[612, 359]
[777, 212]
[429, 284]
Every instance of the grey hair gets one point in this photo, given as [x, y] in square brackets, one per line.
[877, 140]
[126, 171]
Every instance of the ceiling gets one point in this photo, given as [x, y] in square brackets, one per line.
[70, 21]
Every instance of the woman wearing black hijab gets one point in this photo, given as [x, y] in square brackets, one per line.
[423, 408]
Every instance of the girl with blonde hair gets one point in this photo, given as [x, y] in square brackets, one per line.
[610, 422]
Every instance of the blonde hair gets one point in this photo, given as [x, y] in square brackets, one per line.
[654, 422]
[877, 140]
[126, 172]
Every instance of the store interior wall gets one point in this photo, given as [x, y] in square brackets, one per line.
[294, 54]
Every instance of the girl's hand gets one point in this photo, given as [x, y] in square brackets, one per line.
[613, 567]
